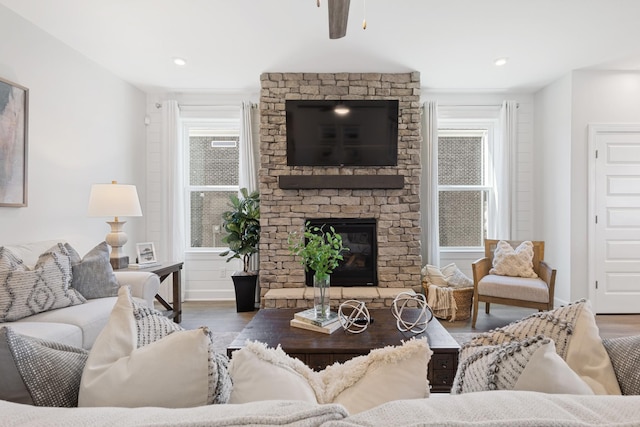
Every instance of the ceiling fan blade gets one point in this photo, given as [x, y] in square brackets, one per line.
[338, 17]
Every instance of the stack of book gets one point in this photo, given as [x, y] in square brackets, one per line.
[307, 320]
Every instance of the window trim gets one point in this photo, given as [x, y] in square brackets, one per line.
[484, 127]
[222, 126]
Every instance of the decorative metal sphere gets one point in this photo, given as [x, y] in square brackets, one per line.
[416, 301]
[354, 316]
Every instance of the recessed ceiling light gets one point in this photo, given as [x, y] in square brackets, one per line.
[179, 61]
[500, 61]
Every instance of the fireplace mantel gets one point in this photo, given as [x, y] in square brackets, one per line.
[353, 182]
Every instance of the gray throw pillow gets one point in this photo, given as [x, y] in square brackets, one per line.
[93, 275]
[39, 372]
[25, 291]
[624, 353]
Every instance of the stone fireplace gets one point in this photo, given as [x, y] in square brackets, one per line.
[388, 195]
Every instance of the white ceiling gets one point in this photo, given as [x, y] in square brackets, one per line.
[452, 43]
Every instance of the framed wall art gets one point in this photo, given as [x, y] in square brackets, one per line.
[14, 104]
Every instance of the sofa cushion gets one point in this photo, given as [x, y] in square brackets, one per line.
[93, 275]
[262, 373]
[62, 333]
[178, 370]
[39, 372]
[25, 291]
[625, 358]
[531, 364]
[267, 413]
[577, 340]
[517, 262]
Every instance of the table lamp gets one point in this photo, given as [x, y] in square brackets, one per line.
[115, 200]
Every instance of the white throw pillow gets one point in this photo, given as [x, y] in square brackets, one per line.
[434, 275]
[176, 371]
[516, 262]
[531, 364]
[456, 278]
[390, 373]
[577, 340]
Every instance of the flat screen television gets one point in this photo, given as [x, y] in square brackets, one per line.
[342, 133]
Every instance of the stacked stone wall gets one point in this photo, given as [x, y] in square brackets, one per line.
[397, 211]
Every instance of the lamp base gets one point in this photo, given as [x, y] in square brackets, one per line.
[118, 263]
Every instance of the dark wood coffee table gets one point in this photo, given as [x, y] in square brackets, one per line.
[318, 350]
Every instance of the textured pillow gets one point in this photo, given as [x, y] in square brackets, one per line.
[120, 373]
[390, 373]
[151, 324]
[93, 275]
[24, 291]
[39, 372]
[456, 278]
[625, 358]
[434, 275]
[531, 364]
[577, 340]
[516, 262]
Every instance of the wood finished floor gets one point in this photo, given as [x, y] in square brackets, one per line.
[221, 316]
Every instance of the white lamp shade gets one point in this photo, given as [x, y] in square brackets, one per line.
[114, 200]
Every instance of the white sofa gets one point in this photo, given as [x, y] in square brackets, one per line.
[78, 325]
[487, 408]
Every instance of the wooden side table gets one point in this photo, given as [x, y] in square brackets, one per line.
[164, 270]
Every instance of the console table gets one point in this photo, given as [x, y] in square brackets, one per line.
[164, 270]
[318, 350]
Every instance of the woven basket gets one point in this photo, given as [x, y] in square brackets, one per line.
[463, 298]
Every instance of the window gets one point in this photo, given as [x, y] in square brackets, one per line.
[463, 187]
[211, 168]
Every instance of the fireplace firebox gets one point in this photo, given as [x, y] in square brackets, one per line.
[359, 266]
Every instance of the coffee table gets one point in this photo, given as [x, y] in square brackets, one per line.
[318, 350]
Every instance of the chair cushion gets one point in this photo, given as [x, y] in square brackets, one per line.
[520, 288]
[508, 261]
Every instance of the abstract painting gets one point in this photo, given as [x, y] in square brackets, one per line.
[13, 144]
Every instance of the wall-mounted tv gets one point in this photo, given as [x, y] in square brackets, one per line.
[342, 133]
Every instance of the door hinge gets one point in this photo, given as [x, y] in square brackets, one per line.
[596, 154]
[596, 219]
[596, 284]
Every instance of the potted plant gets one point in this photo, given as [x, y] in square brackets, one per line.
[320, 252]
[242, 224]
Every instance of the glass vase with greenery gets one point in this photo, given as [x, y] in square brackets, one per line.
[320, 251]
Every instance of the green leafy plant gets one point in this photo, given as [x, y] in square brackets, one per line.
[320, 250]
[242, 223]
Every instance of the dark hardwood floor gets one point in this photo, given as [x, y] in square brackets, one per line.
[222, 317]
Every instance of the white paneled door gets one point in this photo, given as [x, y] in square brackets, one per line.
[614, 240]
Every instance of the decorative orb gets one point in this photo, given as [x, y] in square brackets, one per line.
[415, 301]
[354, 316]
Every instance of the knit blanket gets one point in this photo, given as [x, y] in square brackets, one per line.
[502, 408]
[442, 302]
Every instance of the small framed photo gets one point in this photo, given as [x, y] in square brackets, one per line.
[146, 253]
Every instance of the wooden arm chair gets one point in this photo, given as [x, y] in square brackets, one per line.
[516, 291]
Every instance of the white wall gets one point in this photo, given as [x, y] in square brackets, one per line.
[207, 276]
[85, 126]
[597, 97]
[565, 109]
[524, 211]
[552, 179]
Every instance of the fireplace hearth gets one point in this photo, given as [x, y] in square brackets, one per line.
[359, 266]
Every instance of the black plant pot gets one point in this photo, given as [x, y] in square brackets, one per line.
[245, 287]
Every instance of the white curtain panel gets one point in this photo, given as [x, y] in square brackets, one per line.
[503, 166]
[172, 243]
[248, 177]
[430, 247]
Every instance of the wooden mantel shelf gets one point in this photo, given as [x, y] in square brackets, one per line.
[294, 182]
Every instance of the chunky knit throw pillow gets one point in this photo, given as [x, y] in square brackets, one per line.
[516, 262]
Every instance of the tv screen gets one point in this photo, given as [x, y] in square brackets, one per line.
[342, 133]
